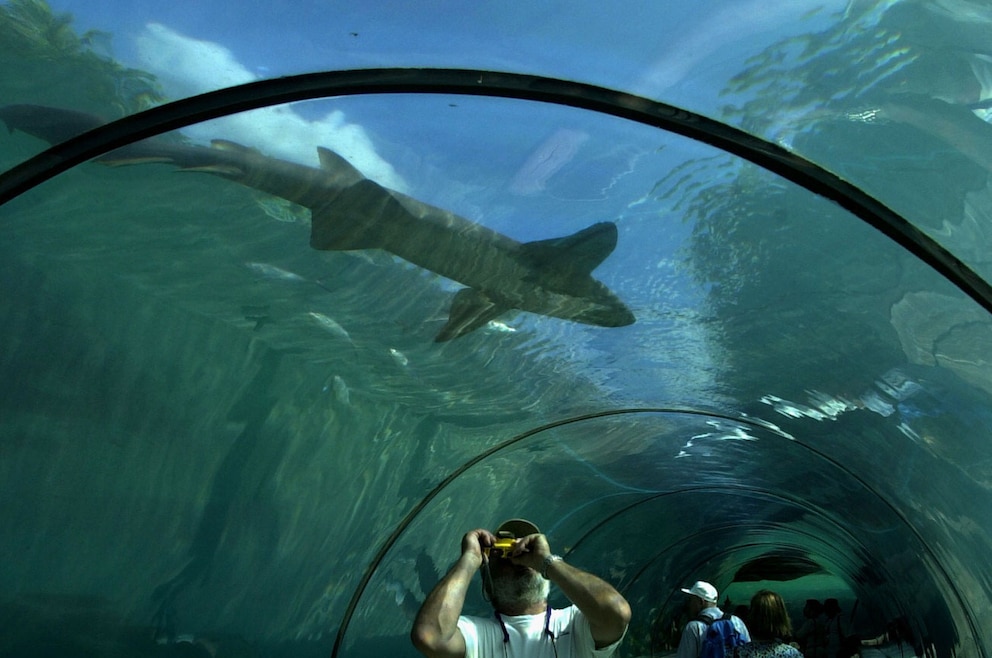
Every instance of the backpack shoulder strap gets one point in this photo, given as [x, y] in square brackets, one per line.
[709, 620]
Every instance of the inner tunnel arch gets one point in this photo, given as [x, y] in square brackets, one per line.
[640, 536]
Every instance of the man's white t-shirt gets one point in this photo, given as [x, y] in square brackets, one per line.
[527, 639]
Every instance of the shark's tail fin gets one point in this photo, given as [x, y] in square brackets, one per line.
[559, 263]
[579, 253]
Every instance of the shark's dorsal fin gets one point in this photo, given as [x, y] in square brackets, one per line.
[470, 309]
[580, 252]
[334, 164]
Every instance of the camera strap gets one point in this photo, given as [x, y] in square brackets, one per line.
[547, 625]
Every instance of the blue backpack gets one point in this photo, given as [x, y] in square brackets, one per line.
[721, 639]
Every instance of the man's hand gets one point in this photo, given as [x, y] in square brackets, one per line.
[530, 551]
[474, 545]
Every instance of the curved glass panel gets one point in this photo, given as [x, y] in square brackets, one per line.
[256, 391]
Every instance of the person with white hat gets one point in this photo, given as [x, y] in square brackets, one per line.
[518, 568]
[701, 606]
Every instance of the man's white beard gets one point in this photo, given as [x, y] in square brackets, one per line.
[520, 591]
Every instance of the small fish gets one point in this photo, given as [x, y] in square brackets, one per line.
[501, 327]
[273, 272]
[259, 314]
[404, 598]
[399, 357]
[281, 210]
[341, 392]
[330, 325]
[427, 572]
[397, 589]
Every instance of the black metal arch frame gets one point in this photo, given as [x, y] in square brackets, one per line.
[179, 114]
[255, 95]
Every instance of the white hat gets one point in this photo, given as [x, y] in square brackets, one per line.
[703, 590]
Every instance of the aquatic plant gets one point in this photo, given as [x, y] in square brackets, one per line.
[42, 54]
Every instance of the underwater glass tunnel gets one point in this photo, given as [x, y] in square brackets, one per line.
[294, 294]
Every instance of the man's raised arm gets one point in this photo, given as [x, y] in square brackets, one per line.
[603, 606]
[435, 630]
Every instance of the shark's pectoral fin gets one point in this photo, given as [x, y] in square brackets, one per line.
[222, 170]
[124, 160]
[470, 309]
[579, 253]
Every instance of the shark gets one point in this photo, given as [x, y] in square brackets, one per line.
[551, 277]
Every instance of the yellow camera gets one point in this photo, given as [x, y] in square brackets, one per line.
[502, 548]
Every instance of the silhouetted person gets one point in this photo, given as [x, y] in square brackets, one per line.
[812, 635]
[836, 629]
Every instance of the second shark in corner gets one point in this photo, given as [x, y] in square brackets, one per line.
[547, 277]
